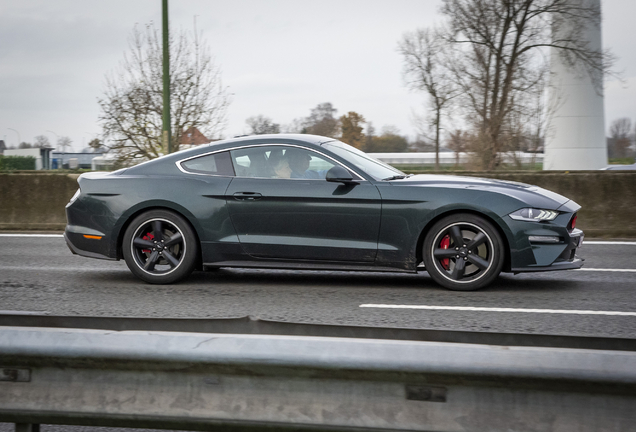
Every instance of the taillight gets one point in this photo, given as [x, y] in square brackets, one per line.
[572, 223]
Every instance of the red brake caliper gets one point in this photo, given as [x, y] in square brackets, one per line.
[150, 237]
[444, 245]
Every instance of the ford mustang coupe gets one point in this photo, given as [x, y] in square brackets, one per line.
[309, 202]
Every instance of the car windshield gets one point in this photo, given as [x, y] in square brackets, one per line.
[376, 169]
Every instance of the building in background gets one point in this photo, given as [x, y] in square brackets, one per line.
[192, 137]
[42, 156]
[66, 160]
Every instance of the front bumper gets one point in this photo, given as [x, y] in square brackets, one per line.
[565, 253]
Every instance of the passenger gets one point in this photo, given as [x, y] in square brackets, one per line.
[282, 169]
[299, 163]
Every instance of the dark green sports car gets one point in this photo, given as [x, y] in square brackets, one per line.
[309, 202]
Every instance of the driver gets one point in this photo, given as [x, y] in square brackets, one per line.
[299, 163]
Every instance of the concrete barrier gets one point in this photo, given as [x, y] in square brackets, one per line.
[608, 198]
[35, 201]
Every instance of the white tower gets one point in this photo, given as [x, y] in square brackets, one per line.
[576, 140]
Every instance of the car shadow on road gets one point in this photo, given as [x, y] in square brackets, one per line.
[305, 278]
[311, 278]
[417, 281]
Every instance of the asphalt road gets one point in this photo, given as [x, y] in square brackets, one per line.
[39, 274]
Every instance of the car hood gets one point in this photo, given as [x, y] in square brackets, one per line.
[529, 194]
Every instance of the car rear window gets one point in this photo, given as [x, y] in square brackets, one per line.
[212, 164]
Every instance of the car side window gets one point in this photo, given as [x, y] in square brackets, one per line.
[212, 164]
[280, 162]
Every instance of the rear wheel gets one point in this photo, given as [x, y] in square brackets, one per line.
[463, 252]
[160, 247]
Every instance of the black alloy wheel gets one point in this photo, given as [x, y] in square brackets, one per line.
[160, 247]
[463, 252]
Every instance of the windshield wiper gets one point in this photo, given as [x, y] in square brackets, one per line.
[395, 177]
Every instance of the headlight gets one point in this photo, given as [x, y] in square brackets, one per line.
[75, 196]
[534, 215]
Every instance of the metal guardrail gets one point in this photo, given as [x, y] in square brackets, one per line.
[255, 326]
[257, 382]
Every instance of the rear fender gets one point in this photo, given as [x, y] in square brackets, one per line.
[127, 217]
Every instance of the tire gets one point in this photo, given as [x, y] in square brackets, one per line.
[160, 247]
[463, 252]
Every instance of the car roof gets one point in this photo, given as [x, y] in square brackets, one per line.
[310, 140]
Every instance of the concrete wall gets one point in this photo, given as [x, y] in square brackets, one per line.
[37, 201]
[41, 156]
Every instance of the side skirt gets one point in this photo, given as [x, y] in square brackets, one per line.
[295, 265]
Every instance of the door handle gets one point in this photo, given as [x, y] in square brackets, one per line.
[247, 196]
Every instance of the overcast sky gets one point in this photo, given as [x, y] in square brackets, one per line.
[279, 58]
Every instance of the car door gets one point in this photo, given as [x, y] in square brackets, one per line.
[282, 212]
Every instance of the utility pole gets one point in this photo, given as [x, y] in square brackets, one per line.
[166, 138]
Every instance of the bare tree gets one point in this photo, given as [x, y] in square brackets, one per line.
[529, 121]
[42, 141]
[425, 70]
[621, 128]
[132, 104]
[294, 127]
[369, 135]
[25, 145]
[620, 131]
[458, 142]
[261, 125]
[63, 142]
[498, 56]
[322, 122]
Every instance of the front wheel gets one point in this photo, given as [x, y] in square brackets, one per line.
[160, 247]
[463, 252]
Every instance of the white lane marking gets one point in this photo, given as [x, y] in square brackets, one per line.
[592, 242]
[12, 312]
[31, 235]
[119, 266]
[607, 270]
[487, 309]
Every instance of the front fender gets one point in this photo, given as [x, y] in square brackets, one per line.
[408, 212]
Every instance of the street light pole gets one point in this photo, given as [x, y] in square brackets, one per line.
[166, 137]
[18, 133]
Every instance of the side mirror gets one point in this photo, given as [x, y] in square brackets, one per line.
[339, 175]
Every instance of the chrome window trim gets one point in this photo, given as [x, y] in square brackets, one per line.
[183, 170]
